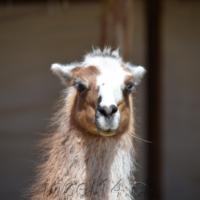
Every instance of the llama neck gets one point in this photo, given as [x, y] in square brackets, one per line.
[108, 167]
[96, 168]
[86, 168]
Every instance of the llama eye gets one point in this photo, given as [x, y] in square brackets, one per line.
[128, 87]
[80, 87]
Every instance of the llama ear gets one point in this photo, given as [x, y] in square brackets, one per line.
[137, 71]
[64, 72]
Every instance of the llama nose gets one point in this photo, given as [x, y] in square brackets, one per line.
[107, 111]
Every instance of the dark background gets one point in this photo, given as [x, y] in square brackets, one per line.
[35, 34]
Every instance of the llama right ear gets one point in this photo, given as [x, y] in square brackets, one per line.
[137, 71]
[64, 72]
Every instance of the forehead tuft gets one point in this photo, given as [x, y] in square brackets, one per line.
[107, 52]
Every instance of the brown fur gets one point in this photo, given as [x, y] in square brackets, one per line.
[83, 111]
[128, 79]
[125, 68]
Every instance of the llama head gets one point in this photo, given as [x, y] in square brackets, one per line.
[100, 90]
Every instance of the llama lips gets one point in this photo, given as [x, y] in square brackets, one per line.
[107, 133]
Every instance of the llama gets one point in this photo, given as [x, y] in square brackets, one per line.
[90, 153]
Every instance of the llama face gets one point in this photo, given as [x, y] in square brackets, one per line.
[102, 92]
[110, 86]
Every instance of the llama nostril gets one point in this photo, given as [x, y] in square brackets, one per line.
[114, 109]
[102, 110]
[107, 111]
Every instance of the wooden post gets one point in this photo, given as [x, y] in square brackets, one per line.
[117, 25]
[154, 98]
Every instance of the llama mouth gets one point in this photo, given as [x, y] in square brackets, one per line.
[107, 133]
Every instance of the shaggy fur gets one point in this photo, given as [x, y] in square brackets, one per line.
[80, 165]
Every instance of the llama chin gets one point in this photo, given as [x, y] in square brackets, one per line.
[90, 153]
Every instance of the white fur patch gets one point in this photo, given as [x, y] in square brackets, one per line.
[111, 80]
[110, 84]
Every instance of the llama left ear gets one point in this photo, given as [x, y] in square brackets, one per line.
[64, 72]
[137, 71]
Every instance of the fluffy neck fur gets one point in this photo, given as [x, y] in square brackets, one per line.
[81, 166]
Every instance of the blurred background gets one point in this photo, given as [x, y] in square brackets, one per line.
[163, 36]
